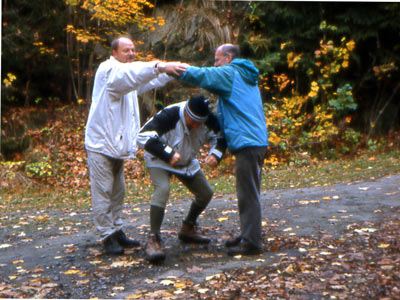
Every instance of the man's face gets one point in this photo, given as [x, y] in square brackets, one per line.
[126, 51]
[221, 59]
[190, 123]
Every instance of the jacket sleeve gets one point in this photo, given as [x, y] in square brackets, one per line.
[127, 77]
[218, 143]
[161, 80]
[149, 135]
[217, 80]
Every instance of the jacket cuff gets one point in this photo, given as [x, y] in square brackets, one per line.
[218, 154]
[159, 67]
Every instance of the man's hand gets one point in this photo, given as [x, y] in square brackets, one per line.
[211, 161]
[175, 68]
[175, 159]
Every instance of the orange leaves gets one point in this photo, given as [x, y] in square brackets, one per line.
[293, 59]
[120, 13]
[384, 70]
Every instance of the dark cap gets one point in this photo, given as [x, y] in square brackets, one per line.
[197, 108]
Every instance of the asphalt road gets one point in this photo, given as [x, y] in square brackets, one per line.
[49, 245]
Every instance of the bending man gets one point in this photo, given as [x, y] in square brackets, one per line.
[172, 139]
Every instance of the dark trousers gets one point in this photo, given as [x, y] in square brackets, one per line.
[249, 162]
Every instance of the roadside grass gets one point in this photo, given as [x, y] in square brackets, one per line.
[366, 166]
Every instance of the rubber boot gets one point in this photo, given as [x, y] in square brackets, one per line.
[124, 241]
[111, 245]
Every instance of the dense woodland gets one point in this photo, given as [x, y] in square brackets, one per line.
[329, 71]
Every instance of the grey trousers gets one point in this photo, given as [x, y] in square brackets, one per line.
[197, 185]
[107, 186]
[249, 162]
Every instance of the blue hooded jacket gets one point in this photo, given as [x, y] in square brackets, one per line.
[240, 110]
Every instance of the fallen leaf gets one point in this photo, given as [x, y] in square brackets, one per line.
[166, 282]
[213, 277]
[222, 219]
[71, 272]
[179, 285]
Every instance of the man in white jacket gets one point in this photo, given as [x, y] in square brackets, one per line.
[111, 131]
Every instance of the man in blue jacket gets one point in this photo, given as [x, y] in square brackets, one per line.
[241, 117]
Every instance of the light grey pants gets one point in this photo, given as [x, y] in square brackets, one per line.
[197, 184]
[107, 186]
[249, 162]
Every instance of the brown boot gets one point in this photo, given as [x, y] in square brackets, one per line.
[189, 234]
[154, 252]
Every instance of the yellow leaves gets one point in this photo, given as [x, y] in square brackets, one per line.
[351, 45]
[9, 79]
[74, 271]
[82, 35]
[121, 13]
[273, 138]
[44, 50]
[272, 161]
[289, 269]
[283, 45]
[222, 219]
[179, 285]
[71, 272]
[293, 59]
[95, 262]
[19, 261]
[314, 89]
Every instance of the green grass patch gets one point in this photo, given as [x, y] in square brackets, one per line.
[363, 167]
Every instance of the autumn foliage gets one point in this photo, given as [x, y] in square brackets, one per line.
[318, 121]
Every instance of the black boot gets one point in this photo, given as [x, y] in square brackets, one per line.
[232, 242]
[124, 241]
[244, 248]
[111, 245]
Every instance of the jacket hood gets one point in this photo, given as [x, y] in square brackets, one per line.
[247, 70]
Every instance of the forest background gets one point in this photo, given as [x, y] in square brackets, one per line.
[329, 75]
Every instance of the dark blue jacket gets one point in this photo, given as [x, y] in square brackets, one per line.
[240, 108]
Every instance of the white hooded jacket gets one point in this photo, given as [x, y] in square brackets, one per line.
[114, 119]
